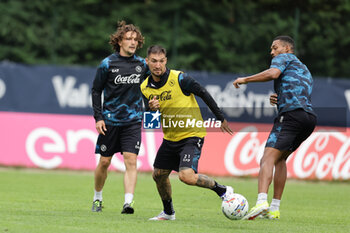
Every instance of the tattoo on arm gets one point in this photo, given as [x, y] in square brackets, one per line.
[205, 181]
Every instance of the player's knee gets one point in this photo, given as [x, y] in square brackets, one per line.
[265, 162]
[262, 160]
[130, 163]
[157, 177]
[130, 159]
[187, 178]
[105, 163]
[154, 176]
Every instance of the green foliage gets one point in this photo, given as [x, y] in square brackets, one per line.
[220, 36]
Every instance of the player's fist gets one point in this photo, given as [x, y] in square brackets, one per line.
[273, 99]
[154, 104]
[239, 81]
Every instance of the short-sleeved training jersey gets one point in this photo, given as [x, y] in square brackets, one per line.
[119, 78]
[294, 85]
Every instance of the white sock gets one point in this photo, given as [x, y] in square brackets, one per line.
[98, 195]
[261, 198]
[128, 198]
[275, 205]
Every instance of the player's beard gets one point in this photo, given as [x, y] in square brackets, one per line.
[158, 76]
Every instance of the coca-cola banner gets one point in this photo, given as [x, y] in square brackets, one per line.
[46, 121]
[67, 90]
[52, 141]
[325, 155]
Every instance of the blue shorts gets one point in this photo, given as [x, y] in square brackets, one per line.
[290, 129]
[119, 139]
[184, 153]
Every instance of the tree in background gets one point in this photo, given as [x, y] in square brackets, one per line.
[218, 36]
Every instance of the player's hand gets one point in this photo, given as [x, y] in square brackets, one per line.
[226, 128]
[239, 81]
[154, 104]
[101, 127]
[273, 99]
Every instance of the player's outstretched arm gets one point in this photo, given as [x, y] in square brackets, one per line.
[266, 75]
[239, 81]
[189, 85]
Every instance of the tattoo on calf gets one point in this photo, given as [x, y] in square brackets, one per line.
[205, 181]
[161, 177]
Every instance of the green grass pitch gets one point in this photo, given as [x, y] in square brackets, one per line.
[60, 201]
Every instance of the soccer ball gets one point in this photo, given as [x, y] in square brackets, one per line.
[236, 207]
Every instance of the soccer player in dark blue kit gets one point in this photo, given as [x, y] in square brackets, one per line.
[118, 120]
[295, 122]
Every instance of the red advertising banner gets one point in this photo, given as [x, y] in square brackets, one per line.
[325, 155]
[52, 141]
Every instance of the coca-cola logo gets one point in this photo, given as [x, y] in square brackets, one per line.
[243, 152]
[325, 155]
[165, 95]
[131, 79]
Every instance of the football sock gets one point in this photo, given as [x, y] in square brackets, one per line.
[275, 205]
[98, 195]
[168, 207]
[219, 189]
[128, 198]
[261, 198]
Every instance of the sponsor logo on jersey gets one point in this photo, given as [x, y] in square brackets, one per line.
[165, 95]
[131, 79]
[115, 70]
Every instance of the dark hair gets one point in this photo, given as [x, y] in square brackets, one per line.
[118, 36]
[156, 49]
[286, 39]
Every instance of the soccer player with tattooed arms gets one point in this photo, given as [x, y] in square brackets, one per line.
[181, 148]
[118, 120]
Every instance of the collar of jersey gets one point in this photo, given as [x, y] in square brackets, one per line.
[125, 58]
[163, 80]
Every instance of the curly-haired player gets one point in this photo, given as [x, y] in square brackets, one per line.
[118, 120]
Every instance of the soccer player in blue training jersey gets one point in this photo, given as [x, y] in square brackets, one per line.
[173, 93]
[118, 120]
[295, 122]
